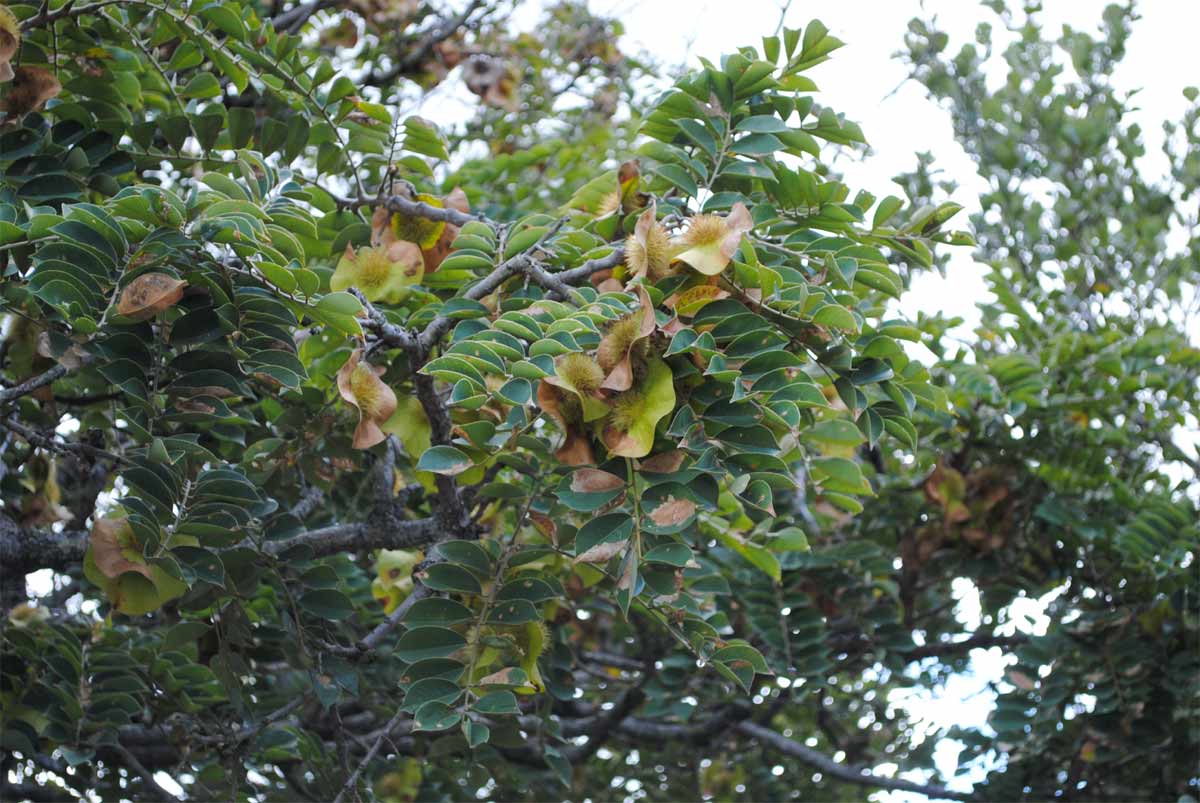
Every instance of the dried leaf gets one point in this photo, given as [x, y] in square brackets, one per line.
[150, 294]
[1020, 680]
[110, 539]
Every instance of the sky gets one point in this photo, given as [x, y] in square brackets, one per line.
[865, 82]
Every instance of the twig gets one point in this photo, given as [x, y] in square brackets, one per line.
[30, 385]
[131, 761]
[352, 781]
[828, 766]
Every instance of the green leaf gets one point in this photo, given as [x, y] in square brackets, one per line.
[445, 460]
[420, 643]
[327, 603]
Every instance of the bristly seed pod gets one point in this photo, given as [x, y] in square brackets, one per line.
[648, 249]
[711, 241]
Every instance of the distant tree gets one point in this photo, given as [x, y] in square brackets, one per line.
[570, 449]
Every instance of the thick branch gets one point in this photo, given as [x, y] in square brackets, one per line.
[605, 724]
[23, 551]
[828, 766]
[420, 51]
[294, 18]
[407, 206]
[381, 531]
[30, 385]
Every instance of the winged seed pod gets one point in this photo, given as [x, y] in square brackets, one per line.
[31, 88]
[382, 273]
[359, 383]
[10, 41]
[616, 348]
[648, 249]
[711, 240]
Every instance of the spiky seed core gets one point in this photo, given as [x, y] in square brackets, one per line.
[373, 268]
[365, 386]
[582, 372]
[620, 336]
[626, 409]
[705, 230]
[608, 204]
[653, 258]
[531, 637]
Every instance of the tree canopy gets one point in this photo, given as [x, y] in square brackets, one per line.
[573, 447]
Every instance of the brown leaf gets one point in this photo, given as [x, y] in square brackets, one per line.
[602, 552]
[1020, 680]
[545, 525]
[106, 540]
[673, 511]
[663, 462]
[150, 294]
[593, 480]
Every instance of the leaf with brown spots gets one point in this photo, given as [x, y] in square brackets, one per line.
[663, 462]
[673, 511]
[594, 481]
[602, 552]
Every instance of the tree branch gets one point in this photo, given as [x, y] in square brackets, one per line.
[382, 530]
[855, 775]
[23, 551]
[30, 385]
[438, 32]
[352, 781]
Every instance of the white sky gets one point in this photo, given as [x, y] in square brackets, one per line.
[864, 81]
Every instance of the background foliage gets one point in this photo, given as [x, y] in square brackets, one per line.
[577, 446]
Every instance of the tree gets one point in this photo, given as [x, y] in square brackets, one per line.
[576, 445]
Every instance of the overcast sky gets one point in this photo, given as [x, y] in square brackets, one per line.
[864, 81]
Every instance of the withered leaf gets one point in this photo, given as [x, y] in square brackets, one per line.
[150, 294]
